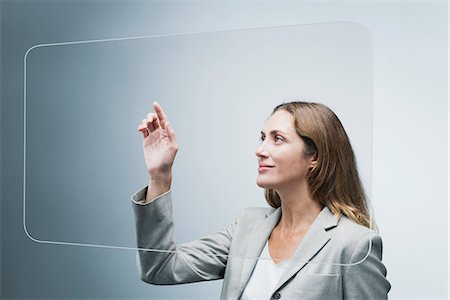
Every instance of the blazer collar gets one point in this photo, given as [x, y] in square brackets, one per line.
[313, 241]
[326, 217]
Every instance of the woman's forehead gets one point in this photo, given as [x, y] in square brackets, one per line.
[279, 121]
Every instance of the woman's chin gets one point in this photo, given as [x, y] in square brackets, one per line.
[263, 184]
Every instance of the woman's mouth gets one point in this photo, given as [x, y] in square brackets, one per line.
[264, 168]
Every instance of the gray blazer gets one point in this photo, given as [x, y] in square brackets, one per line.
[337, 258]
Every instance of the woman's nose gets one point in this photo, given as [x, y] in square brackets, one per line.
[261, 151]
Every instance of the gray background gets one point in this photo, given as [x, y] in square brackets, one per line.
[409, 179]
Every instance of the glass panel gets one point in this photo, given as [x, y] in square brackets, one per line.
[84, 101]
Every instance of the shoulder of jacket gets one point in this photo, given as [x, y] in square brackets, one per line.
[254, 213]
[358, 231]
[351, 235]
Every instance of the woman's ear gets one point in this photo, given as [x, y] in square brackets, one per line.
[313, 162]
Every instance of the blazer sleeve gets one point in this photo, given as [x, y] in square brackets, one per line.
[365, 276]
[169, 263]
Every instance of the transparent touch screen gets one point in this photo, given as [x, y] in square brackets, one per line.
[84, 155]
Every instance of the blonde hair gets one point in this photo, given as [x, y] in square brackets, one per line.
[334, 181]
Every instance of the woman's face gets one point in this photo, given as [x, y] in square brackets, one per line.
[282, 150]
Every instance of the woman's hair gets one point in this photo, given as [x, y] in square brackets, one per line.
[334, 181]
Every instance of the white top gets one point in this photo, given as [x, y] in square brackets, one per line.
[264, 278]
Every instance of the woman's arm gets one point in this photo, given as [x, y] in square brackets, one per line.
[199, 260]
[367, 278]
[160, 260]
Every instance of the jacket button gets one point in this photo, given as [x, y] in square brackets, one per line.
[276, 295]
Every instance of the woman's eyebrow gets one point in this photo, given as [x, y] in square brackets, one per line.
[275, 131]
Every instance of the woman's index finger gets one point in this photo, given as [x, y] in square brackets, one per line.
[161, 115]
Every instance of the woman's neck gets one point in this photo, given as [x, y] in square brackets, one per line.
[298, 210]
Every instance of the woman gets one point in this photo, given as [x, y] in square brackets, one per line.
[314, 242]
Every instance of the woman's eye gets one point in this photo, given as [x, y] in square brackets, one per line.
[278, 138]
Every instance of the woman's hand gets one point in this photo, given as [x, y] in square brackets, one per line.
[160, 144]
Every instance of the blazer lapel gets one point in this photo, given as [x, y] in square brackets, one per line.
[315, 239]
[258, 236]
